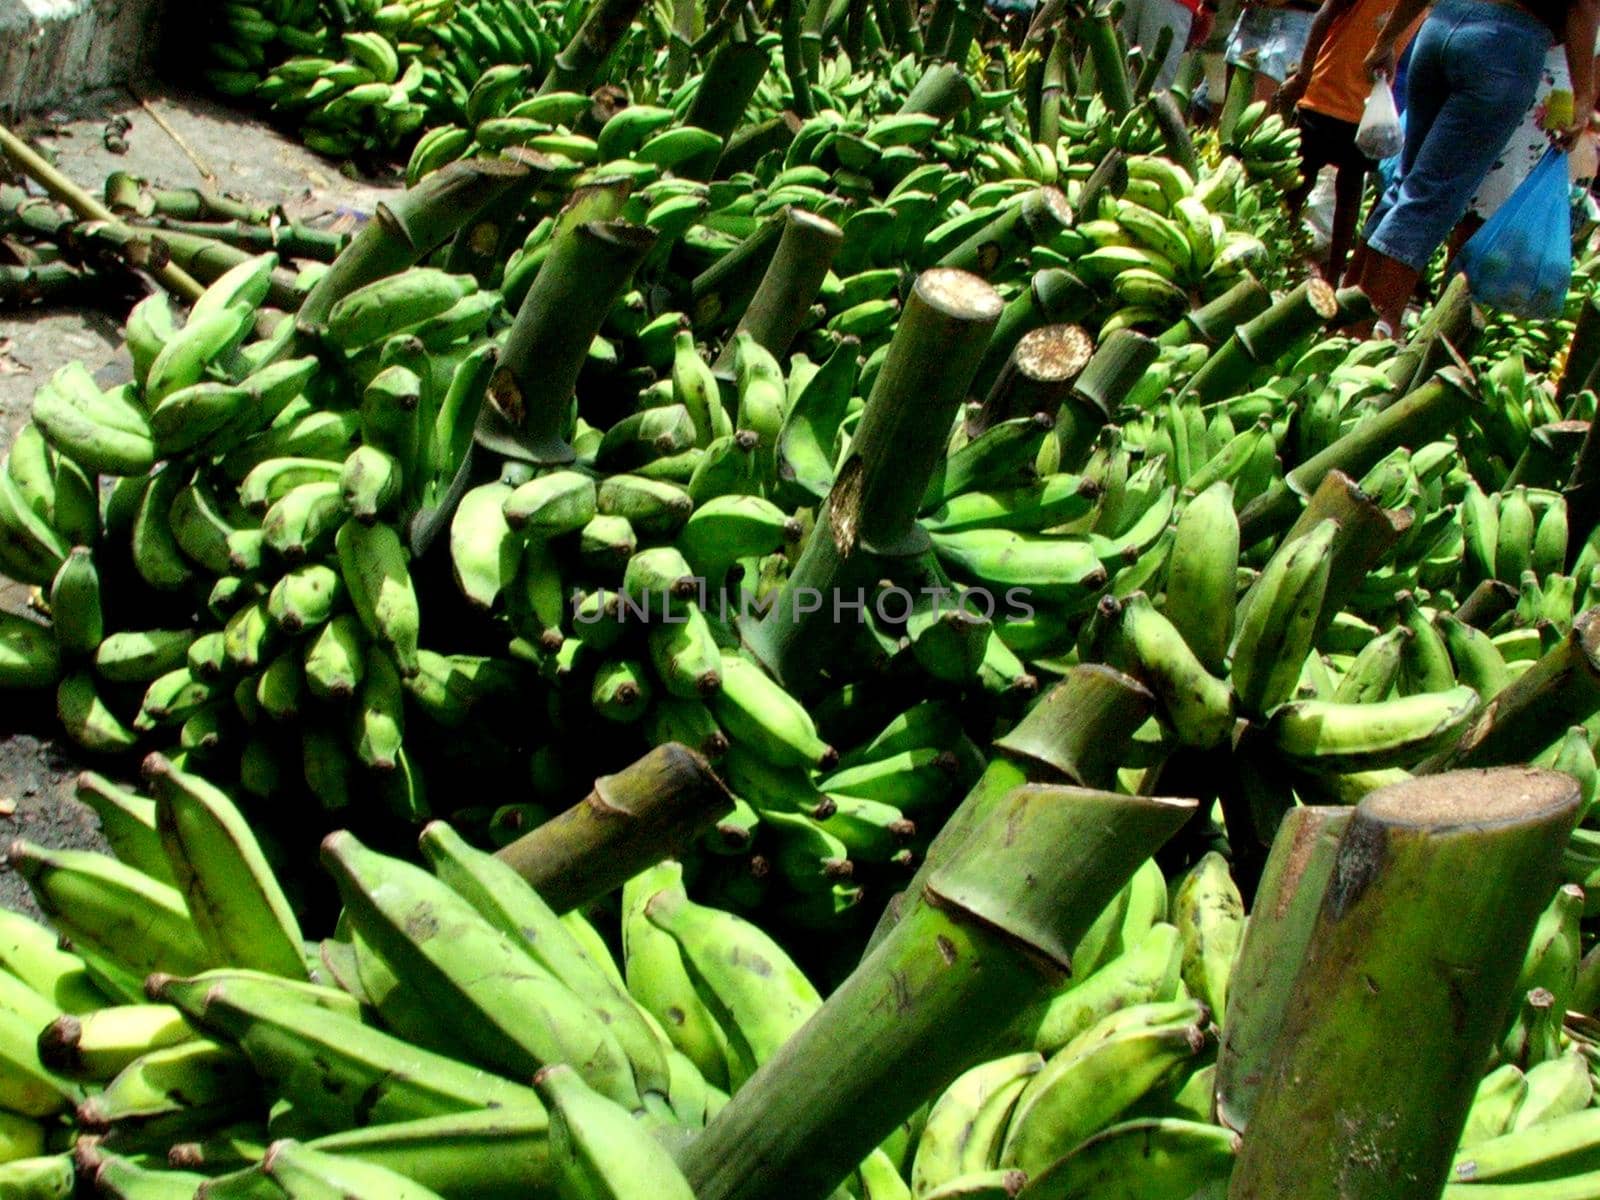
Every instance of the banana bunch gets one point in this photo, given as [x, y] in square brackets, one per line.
[363, 101]
[363, 78]
[250, 599]
[1268, 146]
[477, 37]
[247, 40]
[174, 1029]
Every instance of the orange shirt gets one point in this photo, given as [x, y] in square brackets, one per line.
[1339, 82]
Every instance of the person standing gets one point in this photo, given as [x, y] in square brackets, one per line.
[1527, 146]
[1327, 92]
[1189, 20]
[1475, 67]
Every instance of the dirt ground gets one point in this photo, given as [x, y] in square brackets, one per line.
[173, 140]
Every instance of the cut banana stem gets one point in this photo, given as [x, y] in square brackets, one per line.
[405, 228]
[1053, 297]
[573, 69]
[1037, 378]
[996, 933]
[869, 518]
[1214, 322]
[943, 91]
[1582, 494]
[526, 413]
[25, 159]
[782, 302]
[1405, 978]
[1036, 219]
[1077, 733]
[1550, 453]
[1268, 336]
[1109, 175]
[1118, 364]
[1560, 690]
[1423, 416]
[723, 290]
[631, 820]
[1486, 604]
[1110, 62]
[1286, 905]
[1367, 532]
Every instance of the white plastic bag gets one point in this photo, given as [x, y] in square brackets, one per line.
[1379, 135]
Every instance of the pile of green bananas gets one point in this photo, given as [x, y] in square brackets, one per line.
[1115, 1078]
[174, 1033]
[362, 77]
[185, 1034]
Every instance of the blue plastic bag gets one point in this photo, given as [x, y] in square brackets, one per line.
[1521, 260]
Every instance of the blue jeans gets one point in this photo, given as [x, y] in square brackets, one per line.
[1474, 69]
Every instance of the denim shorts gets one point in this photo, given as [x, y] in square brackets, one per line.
[1474, 69]
[1277, 35]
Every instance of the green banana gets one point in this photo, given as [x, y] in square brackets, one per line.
[1278, 618]
[234, 899]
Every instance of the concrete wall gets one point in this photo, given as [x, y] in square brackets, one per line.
[52, 50]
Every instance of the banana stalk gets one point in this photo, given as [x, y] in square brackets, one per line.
[1037, 378]
[208, 259]
[651, 810]
[781, 305]
[404, 229]
[1423, 416]
[1444, 336]
[940, 21]
[1583, 352]
[1052, 297]
[1175, 137]
[292, 240]
[1267, 336]
[723, 290]
[1486, 603]
[995, 932]
[1109, 175]
[731, 79]
[1560, 690]
[125, 193]
[1100, 389]
[526, 412]
[574, 68]
[794, 60]
[53, 282]
[1052, 87]
[1036, 219]
[1286, 904]
[1367, 531]
[1077, 733]
[1551, 451]
[870, 516]
[943, 91]
[1405, 986]
[1110, 60]
[1582, 494]
[1214, 322]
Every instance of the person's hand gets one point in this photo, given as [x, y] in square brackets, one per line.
[1381, 61]
[1201, 28]
[1290, 91]
[1567, 136]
